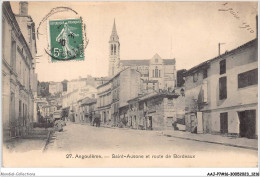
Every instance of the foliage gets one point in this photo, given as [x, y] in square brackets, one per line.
[43, 89]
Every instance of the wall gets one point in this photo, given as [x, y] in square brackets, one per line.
[130, 84]
[18, 77]
[238, 99]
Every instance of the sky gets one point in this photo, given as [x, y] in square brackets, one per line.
[187, 31]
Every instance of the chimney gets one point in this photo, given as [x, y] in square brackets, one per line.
[23, 8]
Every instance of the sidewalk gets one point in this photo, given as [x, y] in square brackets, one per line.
[207, 138]
[216, 139]
[36, 141]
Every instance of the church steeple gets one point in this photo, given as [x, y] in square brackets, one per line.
[114, 52]
[114, 36]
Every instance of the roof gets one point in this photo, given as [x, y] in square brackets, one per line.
[206, 63]
[134, 62]
[87, 101]
[145, 62]
[114, 77]
[102, 78]
[155, 94]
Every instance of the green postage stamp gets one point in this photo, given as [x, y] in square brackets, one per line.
[66, 40]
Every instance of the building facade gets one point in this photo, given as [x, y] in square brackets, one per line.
[79, 83]
[154, 71]
[87, 109]
[113, 95]
[55, 88]
[221, 93]
[19, 81]
[153, 111]
[72, 100]
[104, 101]
[125, 85]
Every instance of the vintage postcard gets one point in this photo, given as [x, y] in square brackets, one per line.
[130, 84]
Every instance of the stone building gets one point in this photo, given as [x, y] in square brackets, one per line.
[55, 88]
[180, 78]
[125, 85]
[113, 95]
[104, 101]
[19, 81]
[40, 103]
[153, 111]
[71, 99]
[87, 109]
[79, 83]
[156, 72]
[221, 93]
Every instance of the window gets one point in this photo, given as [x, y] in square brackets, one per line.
[156, 71]
[205, 73]
[20, 108]
[159, 73]
[114, 49]
[23, 114]
[195, 77]
[156, 60]
[13, 53]
[247, 78]
[111, 49]
[153, 73]
[222, 67]
[12, 105]
[222, 88]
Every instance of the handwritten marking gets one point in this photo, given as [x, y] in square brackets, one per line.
[236, 16]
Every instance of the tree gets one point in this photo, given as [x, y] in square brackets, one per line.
[43, 89]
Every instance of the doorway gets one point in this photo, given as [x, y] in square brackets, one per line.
[135, 123]
[247, 125]
[224, 122]
[105, 119]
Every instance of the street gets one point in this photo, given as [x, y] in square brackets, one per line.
[77, 138]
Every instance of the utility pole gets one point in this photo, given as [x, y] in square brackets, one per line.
[171, 54]
[219, 48]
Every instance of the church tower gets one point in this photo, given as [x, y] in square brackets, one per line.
[114, 52]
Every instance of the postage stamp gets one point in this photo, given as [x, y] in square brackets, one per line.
[66, 40]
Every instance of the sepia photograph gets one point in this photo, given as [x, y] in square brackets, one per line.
[130, 84]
